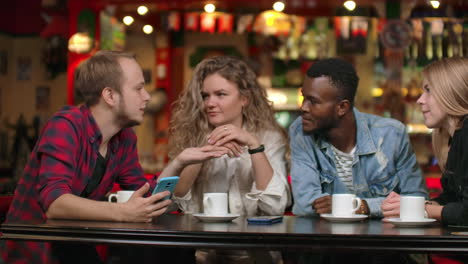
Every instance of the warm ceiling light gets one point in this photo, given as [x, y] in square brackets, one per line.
[80, 42]
[142, 10]
[350, 5]
[148, 29]
[128, 20]
[210, 8]
[278, 6]
[435, 4]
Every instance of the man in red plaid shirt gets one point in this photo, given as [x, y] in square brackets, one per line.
[82, 152]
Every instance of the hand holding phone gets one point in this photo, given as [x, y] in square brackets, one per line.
[166, 184]
[265, 220]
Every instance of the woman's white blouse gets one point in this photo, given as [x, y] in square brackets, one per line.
[235, 176]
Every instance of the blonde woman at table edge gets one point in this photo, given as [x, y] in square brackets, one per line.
[223, 105]
[444, 104]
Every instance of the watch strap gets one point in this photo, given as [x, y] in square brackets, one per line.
[261, 148]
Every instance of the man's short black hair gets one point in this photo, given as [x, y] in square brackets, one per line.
[341, 73]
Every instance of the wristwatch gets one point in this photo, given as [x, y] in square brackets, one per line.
[261, 148]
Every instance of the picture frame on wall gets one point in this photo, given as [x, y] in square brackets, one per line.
[42, 98]
[23, 68]
[3, 62]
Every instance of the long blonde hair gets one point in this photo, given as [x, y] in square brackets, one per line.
[189, 124]
[448, 81]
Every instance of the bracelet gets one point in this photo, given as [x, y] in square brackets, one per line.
[257, 150]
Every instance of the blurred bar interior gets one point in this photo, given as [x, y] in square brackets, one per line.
[42, 42]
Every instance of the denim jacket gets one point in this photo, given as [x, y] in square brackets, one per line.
[384, 161]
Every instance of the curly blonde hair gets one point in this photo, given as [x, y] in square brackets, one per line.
[448, 82]
[189, 124]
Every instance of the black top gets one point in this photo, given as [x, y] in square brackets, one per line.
[454, 181]
[98, 173]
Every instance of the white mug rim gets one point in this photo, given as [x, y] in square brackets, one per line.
[343, 194]
[412, 197]
[125, 191]
[215, 193]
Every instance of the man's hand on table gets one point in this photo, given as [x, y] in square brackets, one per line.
[322, 205]
[391, 206]
[141, 209]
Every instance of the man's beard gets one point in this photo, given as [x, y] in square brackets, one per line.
[123, 120]
[324, 127]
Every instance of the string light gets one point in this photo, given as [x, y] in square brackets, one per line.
[128, 20]
[278, 6]
[435, 4]
[350, 5]
[142, 10]
[210, 8]
[148, 29]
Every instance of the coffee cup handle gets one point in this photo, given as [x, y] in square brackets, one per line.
[113, 195]
[207, 202]
[358, 204]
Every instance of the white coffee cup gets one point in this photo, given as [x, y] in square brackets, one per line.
[121, 196]
[215, 203]
[345, 204]
[412, 207]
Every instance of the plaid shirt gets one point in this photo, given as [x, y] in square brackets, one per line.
[62, 162]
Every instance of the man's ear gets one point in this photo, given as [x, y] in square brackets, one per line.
[343, 107]
[109, 95]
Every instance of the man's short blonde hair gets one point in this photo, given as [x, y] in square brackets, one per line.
[98, 72]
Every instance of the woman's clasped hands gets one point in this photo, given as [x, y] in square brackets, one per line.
[233, 138]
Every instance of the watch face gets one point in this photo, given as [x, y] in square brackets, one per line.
[396, 34]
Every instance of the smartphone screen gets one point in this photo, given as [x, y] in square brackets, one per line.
[265, 220]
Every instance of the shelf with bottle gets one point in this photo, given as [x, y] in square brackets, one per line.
[286, 117]
[285, 98]
[418, 129]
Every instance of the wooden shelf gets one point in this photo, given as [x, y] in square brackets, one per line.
[418, 129]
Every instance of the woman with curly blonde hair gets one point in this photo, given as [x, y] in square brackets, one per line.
[444, 104]
[223, 105]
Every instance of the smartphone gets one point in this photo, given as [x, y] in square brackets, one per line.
[265, 220]
[167, 183]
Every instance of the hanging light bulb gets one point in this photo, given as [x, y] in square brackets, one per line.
[142, 10]
[210, 8]
[435, 4]
[148, 29]
[128, 20]
[350, 5]
[278, 6]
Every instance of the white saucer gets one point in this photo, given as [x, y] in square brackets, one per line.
[409, 223]
[216, 218]
[343, 219]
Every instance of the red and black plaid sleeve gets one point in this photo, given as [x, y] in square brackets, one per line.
[62, 162]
